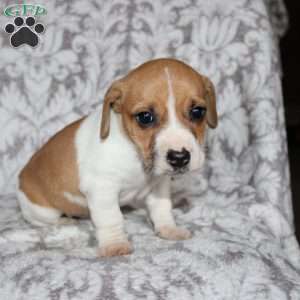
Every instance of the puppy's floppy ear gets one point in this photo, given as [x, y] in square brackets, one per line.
[210, 97]
[112, 100]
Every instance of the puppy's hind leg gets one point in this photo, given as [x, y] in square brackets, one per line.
[39, 215]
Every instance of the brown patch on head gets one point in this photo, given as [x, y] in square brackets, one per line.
[146, 95]
[183, 113]
[145, 89]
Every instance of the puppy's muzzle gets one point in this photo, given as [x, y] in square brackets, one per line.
[178, 159]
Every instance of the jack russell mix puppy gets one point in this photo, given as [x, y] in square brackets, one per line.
[150, 127]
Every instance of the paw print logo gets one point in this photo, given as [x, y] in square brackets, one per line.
[24, 32]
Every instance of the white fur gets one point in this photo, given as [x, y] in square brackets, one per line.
[36, 214]
[111, 175]
[172, 118]
[159, 205]
[79, 200]
[107, 169]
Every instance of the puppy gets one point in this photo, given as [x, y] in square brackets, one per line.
[150, 127]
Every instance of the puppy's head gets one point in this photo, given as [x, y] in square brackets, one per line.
[165, 107]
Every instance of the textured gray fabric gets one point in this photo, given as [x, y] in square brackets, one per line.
[243, 245]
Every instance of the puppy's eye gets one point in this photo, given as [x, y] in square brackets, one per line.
[145, 118]
[197, 113]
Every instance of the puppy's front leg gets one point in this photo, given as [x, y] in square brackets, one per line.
[159, 206]
[106, 215]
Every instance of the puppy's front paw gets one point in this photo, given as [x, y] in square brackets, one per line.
[116, 249]
[174, 233]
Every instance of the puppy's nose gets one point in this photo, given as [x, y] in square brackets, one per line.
[178, 159]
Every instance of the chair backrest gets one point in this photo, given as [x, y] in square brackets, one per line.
[87, 44]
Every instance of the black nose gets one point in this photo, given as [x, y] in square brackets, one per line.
[178, 159]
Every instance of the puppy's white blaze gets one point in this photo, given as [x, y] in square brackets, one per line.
[175, 136]
[172, 119]
[81, 201]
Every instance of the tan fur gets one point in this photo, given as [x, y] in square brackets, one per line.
[183, 107]
[210, 96]
[52, 171]
[146, 88]
[143, 138]
[111, 100]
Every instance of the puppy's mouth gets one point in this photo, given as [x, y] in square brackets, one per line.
[180, 171]
[167, 170]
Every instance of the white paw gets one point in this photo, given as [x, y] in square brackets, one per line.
[174, 233]
[115, 249]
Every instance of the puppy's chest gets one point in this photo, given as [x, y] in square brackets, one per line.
[135, 190]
